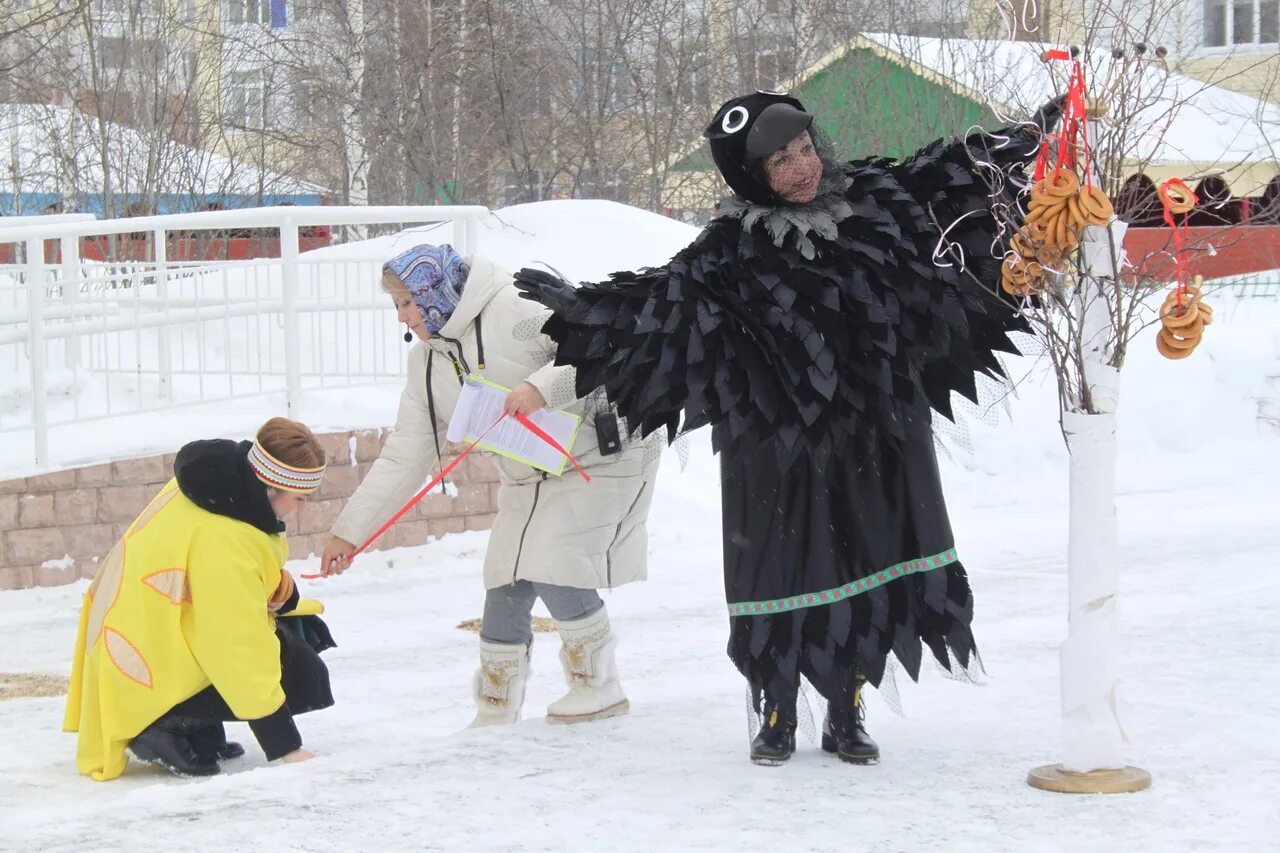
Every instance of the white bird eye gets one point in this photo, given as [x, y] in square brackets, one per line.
[735, 120]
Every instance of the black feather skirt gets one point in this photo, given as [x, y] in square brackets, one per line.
[832, 567]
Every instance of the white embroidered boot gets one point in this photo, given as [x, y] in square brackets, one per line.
[587, 655]
[498, 686]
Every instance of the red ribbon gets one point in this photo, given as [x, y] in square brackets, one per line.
[540, 433]
[1183, 264]
[1076, 98]
[436, 480]
[1074, 122]
[1042, 161]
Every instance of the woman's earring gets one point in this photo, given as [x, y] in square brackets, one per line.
[408, 335]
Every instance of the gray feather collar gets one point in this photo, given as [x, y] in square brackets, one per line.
[819, 217]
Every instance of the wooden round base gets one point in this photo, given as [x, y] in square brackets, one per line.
[1051, 777]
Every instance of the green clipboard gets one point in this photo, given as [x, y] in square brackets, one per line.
[489, 446]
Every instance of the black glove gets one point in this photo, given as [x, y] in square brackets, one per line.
[310, 629]
[1046, 118]
[546, 288]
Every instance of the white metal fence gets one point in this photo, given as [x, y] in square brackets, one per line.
[88, 340]
[85, 341]
[1262, 285]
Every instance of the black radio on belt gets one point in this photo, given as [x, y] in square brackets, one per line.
[607, 435]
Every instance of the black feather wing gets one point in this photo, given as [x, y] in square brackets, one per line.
[781, 351]
[964, 195]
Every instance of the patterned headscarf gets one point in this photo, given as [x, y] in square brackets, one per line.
[434, 276]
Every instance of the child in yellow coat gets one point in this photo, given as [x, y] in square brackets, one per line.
[180, 630]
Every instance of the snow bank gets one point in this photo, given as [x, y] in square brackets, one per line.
[582, 239]
[585, 240]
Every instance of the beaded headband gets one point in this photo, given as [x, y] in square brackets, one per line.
[277, 474]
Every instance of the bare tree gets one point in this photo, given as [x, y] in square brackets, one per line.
[1088, 302]
[131, 105]
[530, 99]
[27, 28]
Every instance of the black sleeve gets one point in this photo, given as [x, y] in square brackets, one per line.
[276, 733]
[661, 341]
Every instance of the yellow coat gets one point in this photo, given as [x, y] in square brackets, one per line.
[179, 604]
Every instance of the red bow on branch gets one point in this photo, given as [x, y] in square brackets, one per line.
[1074, 124]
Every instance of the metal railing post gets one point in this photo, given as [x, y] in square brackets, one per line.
[292, 334]
[470, 231]
[70, 269]
[35, 320]
[165, 363]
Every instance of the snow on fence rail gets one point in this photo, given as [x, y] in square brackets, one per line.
[83, 341]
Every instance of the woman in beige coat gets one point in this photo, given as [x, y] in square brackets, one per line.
[555, 538]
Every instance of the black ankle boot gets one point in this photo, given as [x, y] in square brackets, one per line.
[777, 738]
[165, 742]
[209, 740]
[844, 733]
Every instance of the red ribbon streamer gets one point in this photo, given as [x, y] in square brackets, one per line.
[1076, 97]
[422, 493]
[1074, 122]
[1042, 161]
[1181, 261]
[540, 433]
[436, 480]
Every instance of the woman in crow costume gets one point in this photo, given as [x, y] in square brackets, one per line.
[813, 325]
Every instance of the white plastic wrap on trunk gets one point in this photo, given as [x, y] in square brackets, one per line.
[1097, 324]
[1096, 248]
[1104, 386]
[1091, 730]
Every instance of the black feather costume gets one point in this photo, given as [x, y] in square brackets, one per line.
[814, 340]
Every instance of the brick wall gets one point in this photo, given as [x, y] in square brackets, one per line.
[81, 512]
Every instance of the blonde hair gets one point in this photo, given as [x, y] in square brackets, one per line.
[292, 443]
[391, 283]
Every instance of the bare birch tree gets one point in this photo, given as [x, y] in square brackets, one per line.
[1088, 305]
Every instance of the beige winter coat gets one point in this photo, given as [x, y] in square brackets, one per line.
[559, 530]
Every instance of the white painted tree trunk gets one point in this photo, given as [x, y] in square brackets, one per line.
[1092, 735]
[1091, 730]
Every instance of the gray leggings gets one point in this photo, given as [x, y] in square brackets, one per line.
[508, 610]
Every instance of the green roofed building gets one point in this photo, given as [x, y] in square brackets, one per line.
[889, 95]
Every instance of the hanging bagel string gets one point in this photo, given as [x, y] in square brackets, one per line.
[1060, 204]
[1184, 313]
[1178, 200]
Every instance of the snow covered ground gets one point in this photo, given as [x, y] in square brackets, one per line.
[397, 771]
